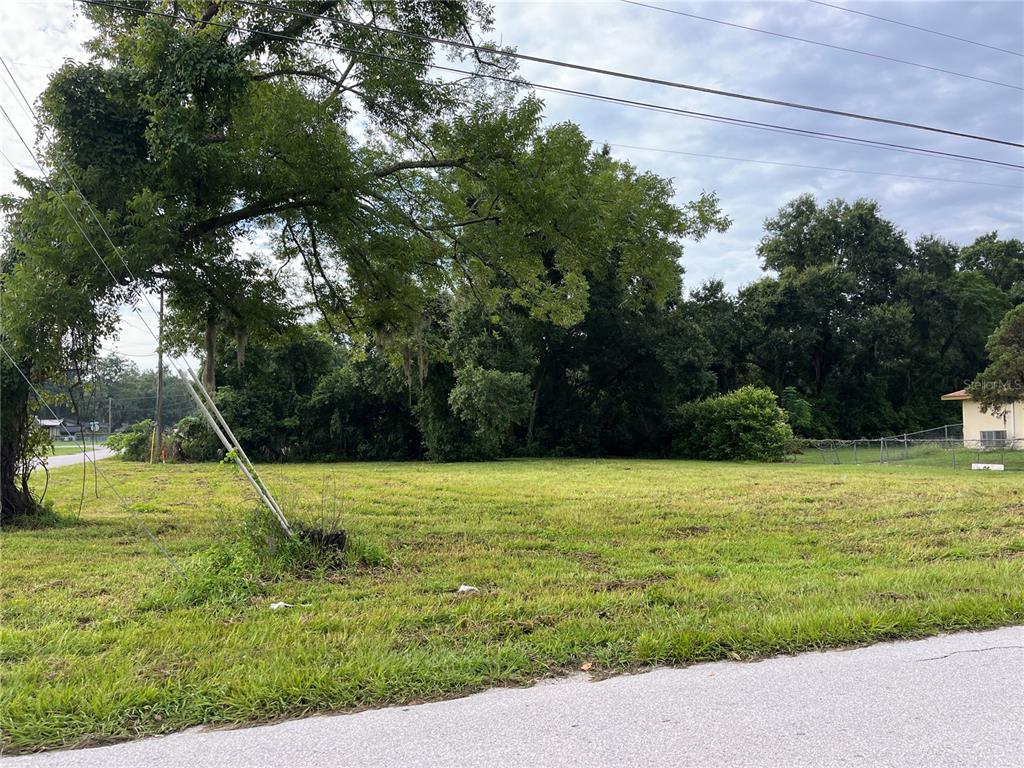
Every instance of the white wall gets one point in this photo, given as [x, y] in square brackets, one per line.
[1010, 419]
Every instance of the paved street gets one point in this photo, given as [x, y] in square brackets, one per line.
[69, 459]
[956, 700]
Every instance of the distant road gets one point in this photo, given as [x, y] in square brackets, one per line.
[68, 459]
[954, 700]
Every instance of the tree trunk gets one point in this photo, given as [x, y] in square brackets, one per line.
[241, 343]
[210, 359]
[533, 414]
[15, 498]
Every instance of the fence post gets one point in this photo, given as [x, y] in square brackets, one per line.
[855, 460]
[881, 451]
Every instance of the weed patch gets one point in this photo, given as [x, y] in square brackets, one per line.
[43, 516]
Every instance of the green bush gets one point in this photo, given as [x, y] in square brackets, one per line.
[133, 443]
[744, 424]
[195, 441]
[491, 403]
[360, 410]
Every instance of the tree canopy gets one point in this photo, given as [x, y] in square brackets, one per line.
[1002, 381]
[212, 150]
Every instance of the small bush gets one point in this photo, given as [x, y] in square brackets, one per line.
[236, 571]
[195, 441]
[133, 443]
[280, 554]
[744, 424]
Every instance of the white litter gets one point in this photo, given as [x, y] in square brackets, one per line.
[465, 589]
[277, 606]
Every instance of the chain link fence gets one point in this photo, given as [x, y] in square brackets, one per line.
[943, 446]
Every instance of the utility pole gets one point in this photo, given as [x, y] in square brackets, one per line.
[110, 416]
[159, 436]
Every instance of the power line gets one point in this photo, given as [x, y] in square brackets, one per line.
[823, 44]
[610, 73]
[759, 125]
[812, 167]
[919, 29]
[771, 127]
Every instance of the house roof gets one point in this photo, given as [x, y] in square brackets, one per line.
[960, 394]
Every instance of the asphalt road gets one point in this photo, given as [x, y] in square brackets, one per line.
[68, 459]
[955, 700]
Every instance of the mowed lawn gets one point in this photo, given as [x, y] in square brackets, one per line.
[615, 564]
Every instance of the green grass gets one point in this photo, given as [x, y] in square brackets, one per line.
[952, 458]
[64, 449]
[623, 564]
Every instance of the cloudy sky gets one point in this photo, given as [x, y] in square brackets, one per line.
[36, 35]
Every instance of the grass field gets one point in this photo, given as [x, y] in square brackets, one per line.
[951, 457]
[65, 449]
[619, 564]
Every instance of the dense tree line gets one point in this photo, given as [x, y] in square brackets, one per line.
[856, 332]
[870, 328]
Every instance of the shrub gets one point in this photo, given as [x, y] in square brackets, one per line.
[360, 410]
[133, 443]
[195, 441]
[490, 402]
[744, 424]
[256, 554]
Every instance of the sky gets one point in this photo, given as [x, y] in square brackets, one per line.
[37, 35]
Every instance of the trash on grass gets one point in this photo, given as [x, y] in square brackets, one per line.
[278, 606]
[466, 589]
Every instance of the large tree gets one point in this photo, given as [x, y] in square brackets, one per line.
[1002, 381]
[203, 132]
[195, 125]
[867, 327]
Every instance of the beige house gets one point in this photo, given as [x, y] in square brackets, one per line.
[990, 430]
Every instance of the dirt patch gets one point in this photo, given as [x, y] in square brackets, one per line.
[616, 585]
[916, 513]
[1010, 554]
[892, 597]
[592, 561]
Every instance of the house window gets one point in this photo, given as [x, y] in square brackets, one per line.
[995, 438]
